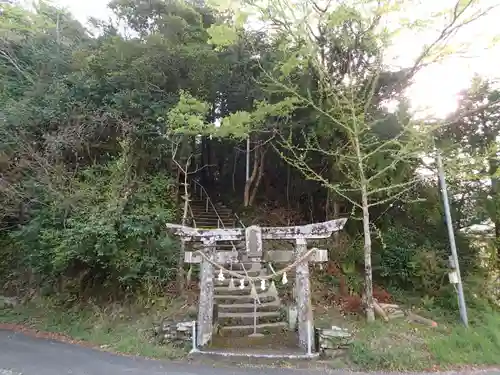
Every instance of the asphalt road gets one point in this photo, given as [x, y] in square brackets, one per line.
[24, 355]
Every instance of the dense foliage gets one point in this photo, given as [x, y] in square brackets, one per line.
[94, 126]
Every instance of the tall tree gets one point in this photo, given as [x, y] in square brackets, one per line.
[371, 146]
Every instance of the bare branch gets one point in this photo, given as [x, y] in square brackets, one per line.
[393, 197]
[448, 31]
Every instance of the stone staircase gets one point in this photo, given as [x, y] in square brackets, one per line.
[206, 215]
[235, 306]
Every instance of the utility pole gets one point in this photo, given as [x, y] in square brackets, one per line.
[451, 235]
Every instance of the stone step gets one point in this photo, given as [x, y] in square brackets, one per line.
[225, 291]
[241, 319]
[240, 268]
[211, 226]
[226, 222]
[225, 285]
[228, 245]
[225, 246]
[229, 299]
[239, 251]
[203, 202]
[248, 307]
[206, 221]
[253, 266]
[222, 287]
[213, 219]
[248, 329]
[222, 212]
[213, 214]
[247, 265]
[199, 216]
[203, 210]
[246, 315]
[202, 207]
[243, 269]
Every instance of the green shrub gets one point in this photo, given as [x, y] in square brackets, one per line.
[106, 231]
[11, 270]
[410, 261]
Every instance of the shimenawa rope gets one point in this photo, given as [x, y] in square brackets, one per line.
[257, 278]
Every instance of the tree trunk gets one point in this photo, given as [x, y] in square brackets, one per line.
[235, 164]
[205, 161]
[180, 261]
[288, 186]
[259, 176]
[370, 315]
[248, 183]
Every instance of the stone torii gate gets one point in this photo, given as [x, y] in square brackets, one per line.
[253, 237]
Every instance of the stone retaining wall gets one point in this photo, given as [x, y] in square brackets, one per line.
[176, 333]
[333, 341]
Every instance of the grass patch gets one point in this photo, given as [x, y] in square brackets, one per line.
[399, 345]
[127, 330]
[390, 346]
[477, 345]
